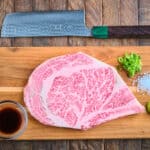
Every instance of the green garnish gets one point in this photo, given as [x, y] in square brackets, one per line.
[131, 63]
[148, 107]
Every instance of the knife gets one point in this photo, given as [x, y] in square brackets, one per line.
[64, 23]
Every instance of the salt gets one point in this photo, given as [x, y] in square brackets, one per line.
[143, 83]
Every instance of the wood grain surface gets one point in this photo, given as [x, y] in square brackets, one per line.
[20, 7]
[18, 63]
[108, 12]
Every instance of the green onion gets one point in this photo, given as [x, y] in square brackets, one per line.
[131, 63]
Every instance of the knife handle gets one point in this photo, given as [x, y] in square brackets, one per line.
[121, 31]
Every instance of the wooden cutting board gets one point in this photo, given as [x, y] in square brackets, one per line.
[16, 64]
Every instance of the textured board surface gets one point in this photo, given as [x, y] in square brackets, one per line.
[18, 63]
[98, 12]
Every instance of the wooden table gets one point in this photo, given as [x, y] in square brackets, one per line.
[98, 12]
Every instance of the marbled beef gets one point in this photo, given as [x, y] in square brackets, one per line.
[78, 91]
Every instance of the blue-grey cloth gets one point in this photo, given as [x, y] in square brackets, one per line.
[51, 23]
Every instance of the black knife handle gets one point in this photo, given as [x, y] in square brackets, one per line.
[129, 32]
[121, 31]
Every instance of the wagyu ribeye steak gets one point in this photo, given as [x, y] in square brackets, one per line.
[78, 91]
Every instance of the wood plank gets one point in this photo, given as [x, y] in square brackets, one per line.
[125, 144]
[76, 5]
[60, 145]
[6, 6]
[145, 144]
[23, 6]
[77, 145]
[144, 18]
[93, 18]
[6, 145]
[58, 5]
[26, 59]
[134, 144]
[41, 145]
[2, 12]
[23, 145]
[129, 16]
[111, 16]
[86, 145]
[112, 144]
[39, 5]
[95, 144]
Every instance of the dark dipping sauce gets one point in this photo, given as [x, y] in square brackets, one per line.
[10, 120]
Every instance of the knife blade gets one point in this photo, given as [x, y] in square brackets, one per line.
[64, 23]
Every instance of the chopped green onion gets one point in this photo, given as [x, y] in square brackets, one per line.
[131, 63]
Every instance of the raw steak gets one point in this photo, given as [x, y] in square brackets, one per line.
[78, 91]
